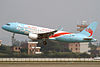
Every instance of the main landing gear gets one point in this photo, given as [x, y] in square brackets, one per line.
[44, 42]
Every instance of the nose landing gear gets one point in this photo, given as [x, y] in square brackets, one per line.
[13, 38]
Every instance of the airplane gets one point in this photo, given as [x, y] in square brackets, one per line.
[36, 33]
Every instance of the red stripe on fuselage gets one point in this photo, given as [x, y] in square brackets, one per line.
[59, 34]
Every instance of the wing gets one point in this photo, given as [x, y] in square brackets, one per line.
[46, 35]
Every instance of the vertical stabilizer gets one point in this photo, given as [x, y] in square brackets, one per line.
[90, 29]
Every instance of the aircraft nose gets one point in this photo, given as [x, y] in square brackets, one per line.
[3, 27]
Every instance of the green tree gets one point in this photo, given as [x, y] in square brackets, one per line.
[24, 50]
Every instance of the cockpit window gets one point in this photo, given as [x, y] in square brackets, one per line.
[8, 24]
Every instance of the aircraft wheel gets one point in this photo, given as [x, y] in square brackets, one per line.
[44, 42]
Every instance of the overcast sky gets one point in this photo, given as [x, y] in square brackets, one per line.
[48, 13]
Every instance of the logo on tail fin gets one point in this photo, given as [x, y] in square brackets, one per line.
[89, 30]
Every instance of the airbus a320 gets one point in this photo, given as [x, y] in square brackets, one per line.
[36, 33]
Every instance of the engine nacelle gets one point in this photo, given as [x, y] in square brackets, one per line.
[33, 36]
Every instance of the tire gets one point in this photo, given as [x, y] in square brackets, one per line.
[44, 42]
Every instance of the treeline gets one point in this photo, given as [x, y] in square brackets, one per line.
[52, 50]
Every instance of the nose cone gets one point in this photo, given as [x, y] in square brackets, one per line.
[3, 27]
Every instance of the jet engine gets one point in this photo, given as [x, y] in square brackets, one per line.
[33, 36]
